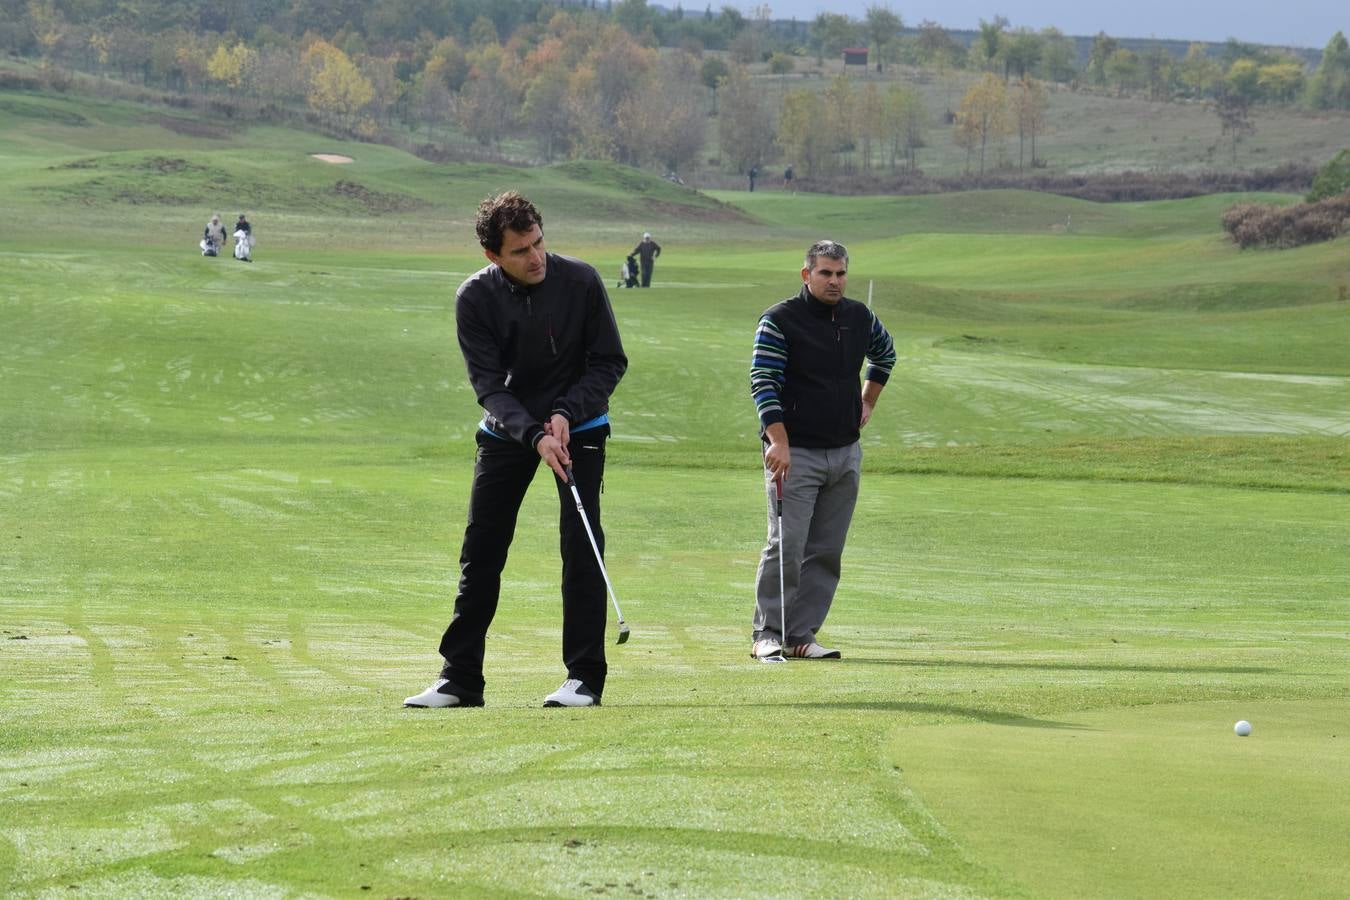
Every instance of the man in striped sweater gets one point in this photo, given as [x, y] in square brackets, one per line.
[805, 377]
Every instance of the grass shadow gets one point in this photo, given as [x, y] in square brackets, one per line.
[1060, 666]
[987, 716]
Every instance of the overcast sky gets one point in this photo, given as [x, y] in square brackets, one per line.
[1296, 23]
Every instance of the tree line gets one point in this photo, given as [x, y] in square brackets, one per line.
[630, 82]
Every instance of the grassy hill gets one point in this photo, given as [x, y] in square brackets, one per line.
[1103, 517]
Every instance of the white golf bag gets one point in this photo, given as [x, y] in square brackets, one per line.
[243, 246]
[209, 247]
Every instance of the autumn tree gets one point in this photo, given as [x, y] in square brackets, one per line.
[982, 116]
[1198, 71]
[869, 122]
[390, 90]
[830, 33]
[544, 113]
[1102, 48]
[800, 133]
[128, 51]
[882, 26]
[190, 56]
[989, 42]
[662, 120]
[1244, 79]
[748, 46]
[231, 66]
[48, 25]
[1059, 57]
[712, 72]
[1029, 104]
[938, 49]
[1022, 51]
[448, 63]
[1329, 87]
[1235, 117]
[745, 124]
[1123, 69]
[635, 16]
[1281, 82]
[612, 68]
[278, 76]
[903, 119]
[486, 105]
[840, 117]
[336, 88]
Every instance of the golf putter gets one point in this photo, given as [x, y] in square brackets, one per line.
[581, 511]
[782, 583]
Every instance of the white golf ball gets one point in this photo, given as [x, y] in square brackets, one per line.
[1242, 728]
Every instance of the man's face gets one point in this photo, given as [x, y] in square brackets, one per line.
[522, 257]
[826, 281]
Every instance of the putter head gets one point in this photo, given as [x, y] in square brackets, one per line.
[624, 631]
[772, 659]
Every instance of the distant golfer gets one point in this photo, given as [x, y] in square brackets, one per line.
[243, 239]
[805, 381]
[543, 353]
[647, 251]
[214, 234]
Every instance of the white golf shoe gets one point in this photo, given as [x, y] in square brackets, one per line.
[813, 650]
[572, 693]
[766, 647]
[443, 694]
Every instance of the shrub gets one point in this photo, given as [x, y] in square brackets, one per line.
[1282, 227]
[11, 80]
[1101, 188]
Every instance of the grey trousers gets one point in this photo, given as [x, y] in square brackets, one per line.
[818, 499]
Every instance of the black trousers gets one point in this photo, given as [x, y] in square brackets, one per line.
[502, 473]
[647, 266]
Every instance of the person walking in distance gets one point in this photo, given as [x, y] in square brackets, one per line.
[214, 234]
[647, 251]
[805, 379]
[543, 355]
[243, 239]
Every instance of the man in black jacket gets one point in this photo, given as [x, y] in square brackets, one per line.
[804, 378]
[543, 354]
[647, 251]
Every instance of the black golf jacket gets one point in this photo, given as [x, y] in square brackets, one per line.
[533, 351]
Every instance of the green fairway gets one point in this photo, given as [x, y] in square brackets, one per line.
[1105, 515]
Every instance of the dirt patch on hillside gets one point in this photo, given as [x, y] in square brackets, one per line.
[192, 127]
[335, 158]
[376, 201]
[722, 212]
[42, 111]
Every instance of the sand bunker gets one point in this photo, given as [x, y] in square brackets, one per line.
[332, 157]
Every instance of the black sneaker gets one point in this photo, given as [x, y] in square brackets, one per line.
[443, 694]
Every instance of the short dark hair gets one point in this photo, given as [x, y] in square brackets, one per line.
[827, 249]
[496, 214]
